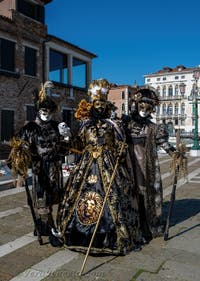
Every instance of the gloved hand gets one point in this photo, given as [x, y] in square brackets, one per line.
[64, 131]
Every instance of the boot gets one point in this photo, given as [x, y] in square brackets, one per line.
[43, 228]
[55, 241]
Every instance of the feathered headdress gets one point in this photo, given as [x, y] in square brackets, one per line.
[83, 110]
[43, 98]
[99, 89]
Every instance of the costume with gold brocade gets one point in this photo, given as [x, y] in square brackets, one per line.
[101, 140]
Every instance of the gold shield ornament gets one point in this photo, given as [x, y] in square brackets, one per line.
[88, 207]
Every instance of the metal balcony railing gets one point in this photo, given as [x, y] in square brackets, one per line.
[171, 116]
[171, 98]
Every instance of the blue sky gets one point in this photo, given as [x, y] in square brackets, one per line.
[131, 38]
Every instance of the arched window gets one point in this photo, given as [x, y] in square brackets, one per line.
[170, 128]
[170, 91]
[182, 109]
[169, 109]
[176, 90]
[158, 90]
[164, 109]
[176, 109]
[164, 91]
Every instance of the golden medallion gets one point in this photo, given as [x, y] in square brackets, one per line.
[89, 207]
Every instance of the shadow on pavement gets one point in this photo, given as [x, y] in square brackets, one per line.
[182, 210]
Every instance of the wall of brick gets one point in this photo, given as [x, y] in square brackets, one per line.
[16, 88]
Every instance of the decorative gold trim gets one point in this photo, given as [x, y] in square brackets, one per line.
[92, 179]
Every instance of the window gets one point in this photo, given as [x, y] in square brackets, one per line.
[123, 108]
[176, 109]
[7, 124]
[123, 95]
[182, 122]
[158, 79]
[182, 109]
[148, 80]
[30, 61]
[170, 91]
[164, 78]
[164, 109]
[31, 10]
[79, 73]
[169, 109]
[7, 55]
[183, 77]
[176, 90]
[158, 91]
[30, 113]
[170, 128]
[164, 91]
[176, 77]
[58, 70]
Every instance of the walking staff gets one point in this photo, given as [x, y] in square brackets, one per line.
[172, 200]
[179, 162]
[30, 203]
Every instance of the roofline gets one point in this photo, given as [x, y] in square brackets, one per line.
[187, 70]
[123, 86]
[72, 45]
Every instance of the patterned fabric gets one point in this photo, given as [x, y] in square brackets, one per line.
[144, 137]
[44, 144]
[85, 191]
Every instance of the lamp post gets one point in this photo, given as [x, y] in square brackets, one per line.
[178, 135]
[195, 97]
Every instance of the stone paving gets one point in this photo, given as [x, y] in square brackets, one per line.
[177, 259]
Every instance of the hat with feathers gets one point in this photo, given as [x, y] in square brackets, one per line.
[99, 89]
[148, 95]
[42, 98]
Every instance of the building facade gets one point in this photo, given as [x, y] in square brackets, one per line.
[30, 56]
[174, 87]
[120, 96]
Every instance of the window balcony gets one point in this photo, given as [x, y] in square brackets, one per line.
[171, 98]
[171, 116]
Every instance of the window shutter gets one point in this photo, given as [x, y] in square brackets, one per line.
[30, 61]
[7, 55]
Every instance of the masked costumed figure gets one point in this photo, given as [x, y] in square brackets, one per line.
[144, 137]
[41, 144]
[102, 165]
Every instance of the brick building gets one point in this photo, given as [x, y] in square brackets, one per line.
[28, 57]
[119, 95]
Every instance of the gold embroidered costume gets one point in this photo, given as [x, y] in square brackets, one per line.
[101, 140]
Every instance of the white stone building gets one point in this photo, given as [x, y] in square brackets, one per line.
[175, 109]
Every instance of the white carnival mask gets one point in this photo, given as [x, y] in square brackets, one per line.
[45, 114]
[144, 109]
